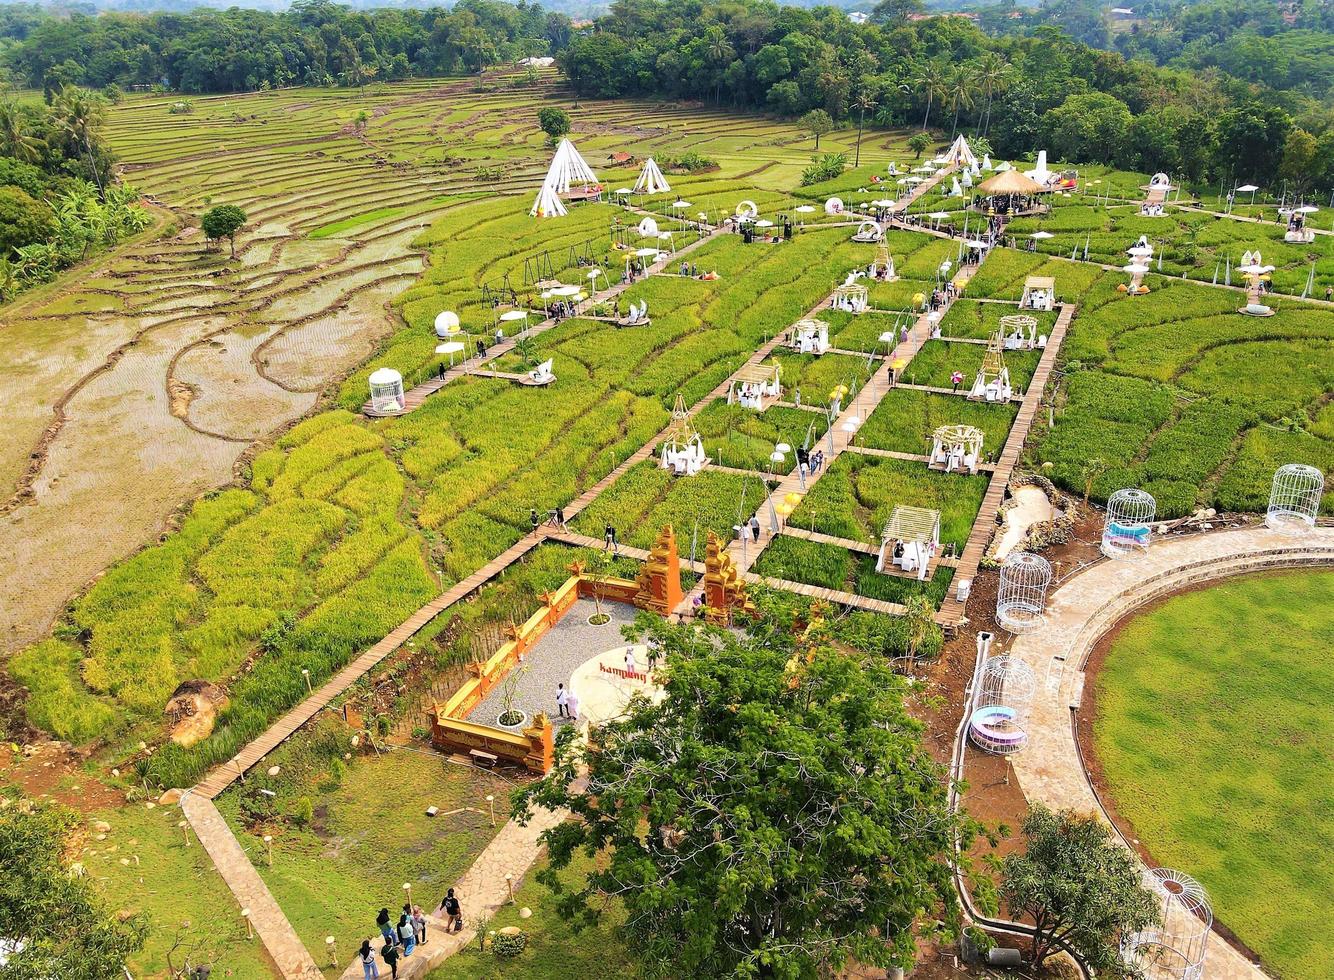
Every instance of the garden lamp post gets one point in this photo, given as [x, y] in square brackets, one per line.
[185, 829]
[491, 802]
[305, 672]
[249, 929]
[268, 847]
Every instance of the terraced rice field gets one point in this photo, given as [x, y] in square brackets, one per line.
[139, 381]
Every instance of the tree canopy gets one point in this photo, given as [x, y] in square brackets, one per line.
[1077, 886]
[776, 812]
[223, 221]
[48, 905]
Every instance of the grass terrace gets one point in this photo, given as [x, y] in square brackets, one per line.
[831, 567]
[905, 419]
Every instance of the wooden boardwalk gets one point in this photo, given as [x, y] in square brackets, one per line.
[416, 396]
[985, 526]
[851, 545]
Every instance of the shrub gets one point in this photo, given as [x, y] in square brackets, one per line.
[509, 944]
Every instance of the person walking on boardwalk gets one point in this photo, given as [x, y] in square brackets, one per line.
[407, 935]
[609, 539]
[453, 912]
[390, 956]
[755, 528]
[532, 518]
[368, 965]
[562, 702]
[386, 927]
[956, 379]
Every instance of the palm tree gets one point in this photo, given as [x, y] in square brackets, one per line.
[720, 52]
[80, 114]
[863, 103]
[993, 77]
[960, 85]
[931, 81]
[15, 140]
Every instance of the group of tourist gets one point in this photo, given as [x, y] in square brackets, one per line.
[401, 939]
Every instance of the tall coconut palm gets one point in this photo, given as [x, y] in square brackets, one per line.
[993, 78]
[15, 140]
[720, 53]
[960, 89]
[80, 114]
[931, 83]
[863, 103]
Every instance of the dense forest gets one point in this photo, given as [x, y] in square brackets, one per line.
[313, 43]
[1020, 90]
[1287, 46]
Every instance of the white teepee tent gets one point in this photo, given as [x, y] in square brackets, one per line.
[961, 154]
[651, 180]
[567, 167]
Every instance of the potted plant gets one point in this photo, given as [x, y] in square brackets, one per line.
[511, 717]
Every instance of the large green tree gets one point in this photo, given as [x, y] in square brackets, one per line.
[1077, 886]
[22, 220]
[774, 814]
[48, 907]
[555, 122]
[223, 221]
[1090, 127]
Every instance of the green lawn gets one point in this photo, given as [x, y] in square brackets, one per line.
[554, 949]
[1214, 715]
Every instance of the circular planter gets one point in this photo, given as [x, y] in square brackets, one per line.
[523, 720]
[599, 619]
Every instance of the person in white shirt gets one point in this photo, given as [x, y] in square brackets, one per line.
[562, 701]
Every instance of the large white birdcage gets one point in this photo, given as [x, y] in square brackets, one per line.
[386, 392]
[999, 723]
[1021, 601]
[1129, 525]
[1294, 498]
[1174, 947]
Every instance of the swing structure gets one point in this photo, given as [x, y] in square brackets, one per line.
[683, 449]
[538, 269]
[992, 383]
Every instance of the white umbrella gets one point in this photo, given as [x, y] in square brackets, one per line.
[622, 191]
[680, 204]
[938, 215]
[513, 315]
[776, 456]
[1307, 209]
[975, 243]
[1042, 235]
[887, 337]
[1247, 189]
[803, 209]
[593, 273]
[453, 347]
[912, 180]
[644, 253]
[558, 291]
[924, 169]
[782, 447]
[764, 223]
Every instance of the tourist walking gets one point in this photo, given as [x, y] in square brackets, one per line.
[418, 923]
[386, 927]
[574, 705]
[390, 956]
[560, 516]
[562, 702]
[652, 659]
[453, 912]
[368, 965]
[407, 935]
[956, 379]
[532, 518]
[630, 664]
[755, 528]
[609, 540]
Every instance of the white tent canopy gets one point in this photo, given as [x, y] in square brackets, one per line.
[567, 168]
[651, 180]
[961, 154]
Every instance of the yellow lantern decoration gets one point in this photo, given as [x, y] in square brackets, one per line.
[918, 299]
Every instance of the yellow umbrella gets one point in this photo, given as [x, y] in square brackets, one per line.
[784, 509]
[793, 498]
[918, 299]
[898, 364]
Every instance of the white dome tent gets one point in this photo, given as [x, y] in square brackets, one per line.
[961, 154]
[648, 228]
[833, 206]
[446, 324]
[651, 180]
[567, 168]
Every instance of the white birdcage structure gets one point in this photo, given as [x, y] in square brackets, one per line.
[1174, 947]
[386, 392]
[1021, 602]
[1294, 498]
[1128, 527]
[999, 722]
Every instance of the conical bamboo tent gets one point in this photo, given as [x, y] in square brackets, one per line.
[961, 154]
[567, 168]
[651, 180]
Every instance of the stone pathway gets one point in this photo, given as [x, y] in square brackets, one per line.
[1050, 769]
